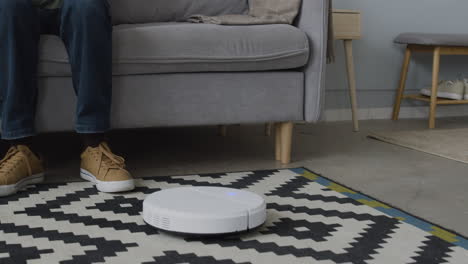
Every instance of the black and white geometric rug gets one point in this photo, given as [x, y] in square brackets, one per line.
[310, 220]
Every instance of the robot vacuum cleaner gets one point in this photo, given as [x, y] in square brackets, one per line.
[204, 210]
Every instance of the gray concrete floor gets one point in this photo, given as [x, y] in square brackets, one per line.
[425, 185]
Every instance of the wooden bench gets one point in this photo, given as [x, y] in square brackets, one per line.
[437, 44]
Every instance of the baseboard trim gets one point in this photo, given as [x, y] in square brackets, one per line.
[386, 113]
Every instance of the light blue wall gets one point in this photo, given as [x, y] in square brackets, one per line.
[378, 61]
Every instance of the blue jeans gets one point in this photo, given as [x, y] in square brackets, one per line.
[86, 29]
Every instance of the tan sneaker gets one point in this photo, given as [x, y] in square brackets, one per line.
[105, 169]
[20, 167]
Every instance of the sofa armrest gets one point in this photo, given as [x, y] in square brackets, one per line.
[313, 20]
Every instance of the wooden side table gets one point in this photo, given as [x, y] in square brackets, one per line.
[347, 27]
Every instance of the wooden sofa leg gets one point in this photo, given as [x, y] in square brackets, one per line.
[222, 130]
[286, 141]
[401, 88]
[435, 86]
[278, 141]
[268, 129]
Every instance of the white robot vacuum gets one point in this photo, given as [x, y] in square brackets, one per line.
[204, 210]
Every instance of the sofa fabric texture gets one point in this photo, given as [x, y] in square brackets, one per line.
[182, 99]
[168, 73]
[185, 47]
[149, 11]
[260, 12]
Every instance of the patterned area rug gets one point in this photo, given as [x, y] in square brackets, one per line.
[310, 220]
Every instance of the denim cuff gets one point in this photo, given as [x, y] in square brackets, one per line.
[80, 129]
[17, 134]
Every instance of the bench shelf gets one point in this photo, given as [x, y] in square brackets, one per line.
[439, 101]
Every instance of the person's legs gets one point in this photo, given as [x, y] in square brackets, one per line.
[19, 38]
[86, 29]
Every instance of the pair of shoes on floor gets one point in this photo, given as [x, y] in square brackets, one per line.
[456, 90]
[21, 167]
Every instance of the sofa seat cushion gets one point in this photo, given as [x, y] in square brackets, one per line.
[185, 47]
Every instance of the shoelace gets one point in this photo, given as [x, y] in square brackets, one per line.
[113, 161]
[11, 159]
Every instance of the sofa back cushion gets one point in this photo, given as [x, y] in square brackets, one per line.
[147, 11]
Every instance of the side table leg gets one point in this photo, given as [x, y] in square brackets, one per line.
[435, 86]
[348, 43]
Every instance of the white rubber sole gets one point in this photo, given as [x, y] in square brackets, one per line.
[6, 190]
[453, 96]
[108, 187]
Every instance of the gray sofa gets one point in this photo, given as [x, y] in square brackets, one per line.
[171, 73]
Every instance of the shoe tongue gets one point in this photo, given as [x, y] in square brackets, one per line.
[105, 146]
[23, 148]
